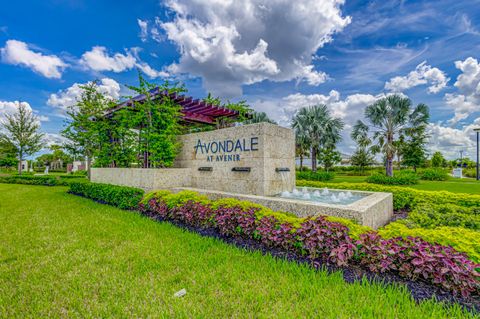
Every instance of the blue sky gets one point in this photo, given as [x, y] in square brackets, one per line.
[278, 56]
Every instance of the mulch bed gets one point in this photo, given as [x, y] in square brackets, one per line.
[419, 290]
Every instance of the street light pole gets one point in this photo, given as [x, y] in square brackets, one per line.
[477, 130]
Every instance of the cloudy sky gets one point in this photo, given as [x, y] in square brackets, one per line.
[277, 55]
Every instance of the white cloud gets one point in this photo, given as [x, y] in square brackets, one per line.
[43, 118]
[231, 43]
[467, 101]
[50, 139]
[450, 141]
[143, 29]
[150, 72]
[423, 74]
[67, 98]
[349, 110]
[10, 107]
[98, 59]
[18, 53]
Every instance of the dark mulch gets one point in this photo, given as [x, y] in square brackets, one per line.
[419, 290]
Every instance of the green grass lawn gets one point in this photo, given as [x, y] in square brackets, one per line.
[66, 256]
[456, 185]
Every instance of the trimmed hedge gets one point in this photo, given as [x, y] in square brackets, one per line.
[315, 176]
[44, 180]
[404, 197]
[120, 196]
[320, 239]
[404, 178]
[431, 216]
[32, 180]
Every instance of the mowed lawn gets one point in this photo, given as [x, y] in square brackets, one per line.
[455, 185]
[66, 256]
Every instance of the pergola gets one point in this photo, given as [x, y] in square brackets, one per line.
[193, 110]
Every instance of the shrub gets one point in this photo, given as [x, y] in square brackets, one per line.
[121, 196]
[415, 259]
[315, 176]
[232, 221]
[432, 174]
[272, 233]
[406, 178]
[32, 180]
[464, 240]
[329, 240]
[432, 216]
[192, 213]
[404, 197]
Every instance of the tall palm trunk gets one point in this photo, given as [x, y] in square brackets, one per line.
[314, 159]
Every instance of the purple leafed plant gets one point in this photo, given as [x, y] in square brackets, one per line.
[234, 221]
[274, 234]
[417, 259]
[324, 239]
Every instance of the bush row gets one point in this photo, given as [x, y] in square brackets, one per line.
[404, 178]
[433, 174]
[433, 215]
[315, 176]
[119, 196]
[320, 239]
[404, 197]
[45, 180]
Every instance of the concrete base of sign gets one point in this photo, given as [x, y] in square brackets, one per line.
[374, 210]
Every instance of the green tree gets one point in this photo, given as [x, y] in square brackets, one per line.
[156, 120]
[8, 154]
[438, 160]
[319, 129]
[414, 137]
[389, 118]
[244, 111]
[22, 131]
[87, 128]
[363, 155]
[328, 157]
[259, 117]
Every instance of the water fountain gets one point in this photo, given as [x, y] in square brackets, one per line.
[326, 196]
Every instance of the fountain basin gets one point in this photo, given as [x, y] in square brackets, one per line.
[373, 209]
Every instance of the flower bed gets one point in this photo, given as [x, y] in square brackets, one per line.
[321, 240]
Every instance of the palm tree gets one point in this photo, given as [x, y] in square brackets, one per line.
[391, 118]
[315, 126]
[259, 117]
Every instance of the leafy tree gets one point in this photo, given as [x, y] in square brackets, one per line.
[414, 137]
[88, 129]
[156, 121]
[319, 129]
[22, 133]
[242, 107]
[438, 160]
[363, 155]
[259, 117]
[389, 119]
[328, 157]
[8, 154]
[362, 158]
